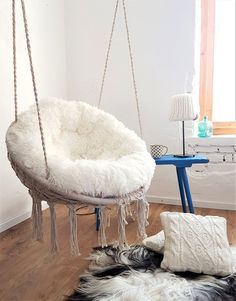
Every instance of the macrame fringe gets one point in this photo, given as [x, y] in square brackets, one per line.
[74, 247]
[37, 218]
[122, 222]
[142, 216]
[124, 210]
[104, 217]
[54, 240]
[130, 212]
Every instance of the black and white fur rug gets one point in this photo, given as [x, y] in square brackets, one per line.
[135, 275]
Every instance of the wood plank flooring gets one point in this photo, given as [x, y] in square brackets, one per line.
[28, 272]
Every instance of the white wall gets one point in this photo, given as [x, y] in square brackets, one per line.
[71, 62]
[163, 48]
[163, 35]
[46, 24]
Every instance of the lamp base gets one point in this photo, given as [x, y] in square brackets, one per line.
[184, 156]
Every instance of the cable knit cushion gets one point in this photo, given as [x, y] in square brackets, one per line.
[155, 242]
[196, 243]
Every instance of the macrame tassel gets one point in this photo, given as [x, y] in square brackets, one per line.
[37, 218]
[54, 240]
[130, 212]
[74, 248]
[104, 223]
[142, 216]
[121, 225]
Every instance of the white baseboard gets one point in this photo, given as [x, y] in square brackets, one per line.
[200, 204]
[18, 219]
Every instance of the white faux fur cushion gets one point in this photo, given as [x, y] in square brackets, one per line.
[89, 151]
[155, 242]
[196, 243]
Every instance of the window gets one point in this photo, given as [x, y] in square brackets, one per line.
[217, 65]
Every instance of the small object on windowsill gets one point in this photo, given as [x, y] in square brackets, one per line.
[205, 128]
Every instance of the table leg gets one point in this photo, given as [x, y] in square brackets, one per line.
[187, 191]
[97, 219]
[181, 187]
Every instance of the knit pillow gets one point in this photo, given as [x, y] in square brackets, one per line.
[196, 243]
[155, 242]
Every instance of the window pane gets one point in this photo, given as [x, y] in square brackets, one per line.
[224, 108]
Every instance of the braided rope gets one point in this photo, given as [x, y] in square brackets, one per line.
[14, 56]
[108, 53]
[132, 68]
[34, 86]
[131, 62]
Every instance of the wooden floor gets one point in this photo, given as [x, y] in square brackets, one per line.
[28, 272]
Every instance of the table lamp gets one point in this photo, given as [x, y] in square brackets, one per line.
[182, 109]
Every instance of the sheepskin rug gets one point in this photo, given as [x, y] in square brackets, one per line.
[135, 275]
[89, 151]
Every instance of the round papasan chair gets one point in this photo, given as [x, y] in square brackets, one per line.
[93, 159]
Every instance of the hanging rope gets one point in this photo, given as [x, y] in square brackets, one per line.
[131, 62]
[108, 53]
[32, 75]
[132, 68]
[14, 55]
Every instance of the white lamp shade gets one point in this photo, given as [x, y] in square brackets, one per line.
[182, 108]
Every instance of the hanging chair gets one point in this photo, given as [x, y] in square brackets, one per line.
[77, 154]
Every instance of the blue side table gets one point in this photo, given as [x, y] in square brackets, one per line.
[181, 164]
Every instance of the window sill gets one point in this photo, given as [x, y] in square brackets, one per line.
[219, 139]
